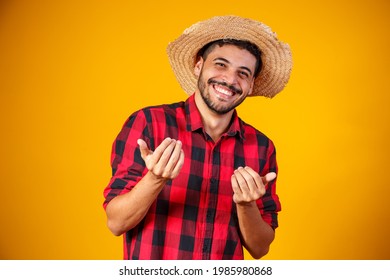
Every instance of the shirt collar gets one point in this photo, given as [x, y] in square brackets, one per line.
[194, 120]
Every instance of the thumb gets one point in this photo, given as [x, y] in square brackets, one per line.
[268, 177]
[143, 147]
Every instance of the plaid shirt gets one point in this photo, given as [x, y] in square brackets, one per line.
[194, 216]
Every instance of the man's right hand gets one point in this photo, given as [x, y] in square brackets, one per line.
[166, 161]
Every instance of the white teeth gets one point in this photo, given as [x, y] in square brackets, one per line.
[223, 91]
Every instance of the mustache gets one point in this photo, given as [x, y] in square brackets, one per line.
[230, 87]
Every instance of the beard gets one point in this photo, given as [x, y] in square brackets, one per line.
[216, 107]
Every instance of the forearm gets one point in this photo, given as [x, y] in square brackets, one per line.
[125, 211]
[256, 234]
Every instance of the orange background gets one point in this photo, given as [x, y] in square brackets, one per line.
[72, 71]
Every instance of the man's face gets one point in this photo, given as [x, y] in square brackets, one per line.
[225, 77]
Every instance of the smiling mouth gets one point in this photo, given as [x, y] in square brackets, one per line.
[223, 89]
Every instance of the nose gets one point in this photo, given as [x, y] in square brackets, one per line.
[230, 77]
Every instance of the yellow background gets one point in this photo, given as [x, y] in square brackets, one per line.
[72, 71]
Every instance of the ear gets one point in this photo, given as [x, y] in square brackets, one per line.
[198, 67]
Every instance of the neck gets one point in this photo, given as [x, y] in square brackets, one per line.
[214, 124]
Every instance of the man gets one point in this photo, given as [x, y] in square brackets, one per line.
[191, 180]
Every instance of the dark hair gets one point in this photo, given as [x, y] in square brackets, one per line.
[246, 45]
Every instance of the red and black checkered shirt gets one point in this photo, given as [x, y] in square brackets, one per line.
[194, 216]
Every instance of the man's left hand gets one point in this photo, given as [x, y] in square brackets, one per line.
[248, 185]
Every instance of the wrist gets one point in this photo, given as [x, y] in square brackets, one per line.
[154, 179]
[246, 205]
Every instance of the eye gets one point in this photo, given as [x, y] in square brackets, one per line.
[220, 64]
[243, 74]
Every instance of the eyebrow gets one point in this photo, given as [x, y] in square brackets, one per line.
[228, 62]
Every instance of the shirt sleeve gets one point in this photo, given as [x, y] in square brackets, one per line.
[127, 165]
[269, 203]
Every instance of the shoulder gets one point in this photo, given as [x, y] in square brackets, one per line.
[155, 111]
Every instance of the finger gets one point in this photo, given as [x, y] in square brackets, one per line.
[237, 193]
[166, 154]
[255, 188]
[234, 182]
[143, 147]
[179, 165]
[174, 157]
[163, 145]
[150, 157]
[158, 152]
[255, 177]
[235, 186]
[268, 177]
[242, 182]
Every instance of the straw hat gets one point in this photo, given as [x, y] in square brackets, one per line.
[275, 55]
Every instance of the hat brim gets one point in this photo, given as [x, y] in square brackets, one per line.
[276, 55]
